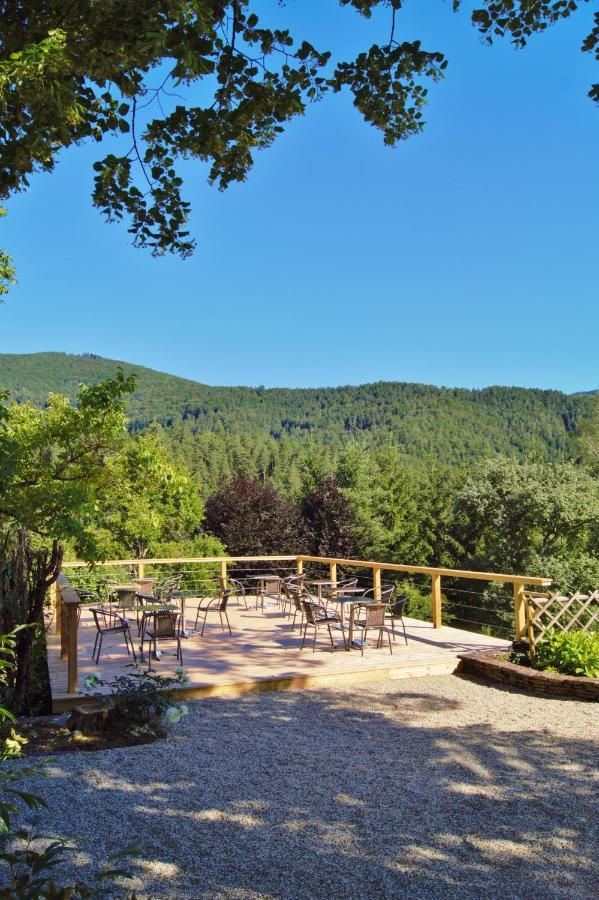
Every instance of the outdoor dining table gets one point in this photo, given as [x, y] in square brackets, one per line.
[145, 585]
[321, 583]
[350, 600]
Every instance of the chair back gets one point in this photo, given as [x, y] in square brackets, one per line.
[313, 611]
[347, 583]
[163, 590]
[386, 594]
[126, 599]
[309, 611]
[237, 587]
[374, 615]
[399, 604]
[166, 623]
[106, 617]
[271, 586]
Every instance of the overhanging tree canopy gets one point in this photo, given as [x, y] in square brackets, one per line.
[97, 68]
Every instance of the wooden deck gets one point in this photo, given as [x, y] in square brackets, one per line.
[263, 653]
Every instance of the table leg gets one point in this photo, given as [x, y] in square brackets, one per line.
[350, 637]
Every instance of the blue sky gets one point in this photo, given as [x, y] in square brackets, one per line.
[466, 256]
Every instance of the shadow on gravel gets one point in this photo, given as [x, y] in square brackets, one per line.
[321, 794]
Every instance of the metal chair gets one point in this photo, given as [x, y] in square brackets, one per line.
[292, 594]
[215, 604]
[165, 625]
[238, 590]
[269, 589]
[374, 618]
[395, 611]
[291, 588]
[317, 615]
[107, 621]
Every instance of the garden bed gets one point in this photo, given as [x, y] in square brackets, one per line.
[494, 666]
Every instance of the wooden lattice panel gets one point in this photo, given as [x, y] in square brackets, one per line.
[545, 612]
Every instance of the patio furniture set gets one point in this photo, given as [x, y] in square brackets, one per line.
[159, 610]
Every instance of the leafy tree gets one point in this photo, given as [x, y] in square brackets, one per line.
[252, 518]
[533, 519]
[330, 522]
[151, 500]
[55, 462]
[70, 72]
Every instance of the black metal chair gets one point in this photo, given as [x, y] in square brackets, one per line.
[395, 611]
[107, 621]
[215, 604]
[317, 615]
[161, 625]
[374, 619]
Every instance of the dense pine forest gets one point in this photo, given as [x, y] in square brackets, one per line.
[219, 430]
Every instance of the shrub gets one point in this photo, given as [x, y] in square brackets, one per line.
[138, 700]
[569, 653]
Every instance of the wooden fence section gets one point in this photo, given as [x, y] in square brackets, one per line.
[552, 611]
[518, 582]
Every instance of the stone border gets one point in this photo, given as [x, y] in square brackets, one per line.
[489, 665]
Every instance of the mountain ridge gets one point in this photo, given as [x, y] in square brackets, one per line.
[455, 423]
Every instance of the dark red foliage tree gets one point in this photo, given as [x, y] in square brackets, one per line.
[329, 521]
[253, 518]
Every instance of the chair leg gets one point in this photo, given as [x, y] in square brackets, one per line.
[390, 644]
[304, 639]
[314, 641]
[331, 637]
[293, 623]
[363, 641]
[95, 645]
[204, 623]
[404, 631]
[99, 649]
[343, 633]
[228, 623]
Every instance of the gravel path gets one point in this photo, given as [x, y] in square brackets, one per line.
[433, 787]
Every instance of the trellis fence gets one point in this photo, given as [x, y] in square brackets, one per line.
[554, 612]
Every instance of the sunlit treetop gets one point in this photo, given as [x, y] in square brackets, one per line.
[92, 69]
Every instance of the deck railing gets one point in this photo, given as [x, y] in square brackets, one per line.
[66, 602]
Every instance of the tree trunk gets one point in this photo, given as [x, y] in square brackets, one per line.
[25, 576]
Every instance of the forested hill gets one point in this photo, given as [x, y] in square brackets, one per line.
[450, 424]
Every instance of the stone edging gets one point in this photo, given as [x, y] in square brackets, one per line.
[490, 666]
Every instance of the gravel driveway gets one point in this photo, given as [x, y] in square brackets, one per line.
[431, 787]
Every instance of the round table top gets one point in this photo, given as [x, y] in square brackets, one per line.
[323, 582]
[263, 578]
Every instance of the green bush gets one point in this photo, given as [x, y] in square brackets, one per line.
[569, 653]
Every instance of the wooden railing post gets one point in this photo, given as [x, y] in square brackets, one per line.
[140, 569]
[519, 611]
[64, 627]
[333, 571]
[376, 582]
[55, 604]
[299, 563]
[437, 615]
[223, 575]
[72, 610]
